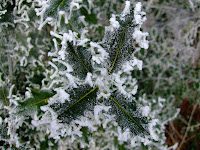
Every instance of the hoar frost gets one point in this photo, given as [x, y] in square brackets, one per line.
[100, 78]
[75, 65]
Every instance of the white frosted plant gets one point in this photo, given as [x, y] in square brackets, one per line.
[76, 92]
[96, 73]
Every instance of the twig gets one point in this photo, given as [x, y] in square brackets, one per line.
[186, 132]
[174, 129]
[183, 120]
[171, 136]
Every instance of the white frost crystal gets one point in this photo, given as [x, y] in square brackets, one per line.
[140, 38]
[126, 10]
[114, 23]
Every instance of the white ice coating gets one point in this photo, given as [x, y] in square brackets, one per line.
[61, 95]
[99, 55]
[145, 110]
[1, 120]
[138, 14]
[140, 38]
[88, 79]
[126, 10]
[114, 23]
[129, 65]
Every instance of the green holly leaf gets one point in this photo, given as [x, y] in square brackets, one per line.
[119, 44]
[80, 58]
[3, 95]
[81, 98]
[30, 105]
[127, 114]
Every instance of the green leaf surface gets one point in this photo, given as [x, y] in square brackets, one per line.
[82, 99]
[127, 114]
[31, 104]
[119, 43]
[55, 6]
[3, 95]
[79, 58]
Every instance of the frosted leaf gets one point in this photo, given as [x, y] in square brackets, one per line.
[52, 8]
[74, 54]
[79, 102]
[123, 107]
[118, 42]
[29, 105]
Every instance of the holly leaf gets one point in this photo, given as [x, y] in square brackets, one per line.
[118, 42]
[82, 98]
[30, 105]
[54, 6]
[3, 95]
[127, 114]
[79, 58]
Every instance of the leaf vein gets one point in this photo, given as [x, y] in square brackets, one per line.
[127, 113]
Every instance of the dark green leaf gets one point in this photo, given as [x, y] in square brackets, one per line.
[3, 95]
[81, 99]
[127, 114]
[79, 58]
[119, 43]
[3, 131]
[31, 104]
[55, 6]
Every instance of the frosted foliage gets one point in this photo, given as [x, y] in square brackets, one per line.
[119, 39]
[49, 14]
[95, 70]
[62, 88]
[157, 124]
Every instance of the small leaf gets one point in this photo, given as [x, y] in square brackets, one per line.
[81, 99]
[55, 6]
[3, 131]
[119, 43]
[3, 95]
[31, 104]
[79, 58]
[127, 114]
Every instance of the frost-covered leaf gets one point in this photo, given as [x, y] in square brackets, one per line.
[81, 99]
[127, 114]
[54, 6]
[118, 43]
[119, 40]
[33, 102]
[3, 131]
[79, 58]
[6, 12]
[4, 91]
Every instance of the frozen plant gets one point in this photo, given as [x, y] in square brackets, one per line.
[62, 87]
